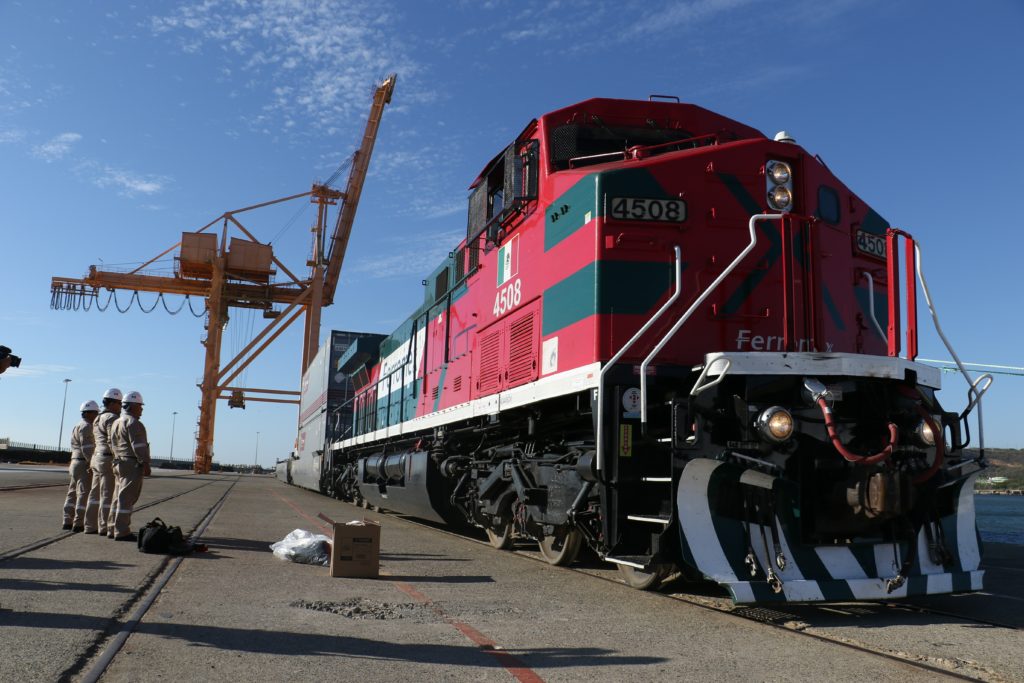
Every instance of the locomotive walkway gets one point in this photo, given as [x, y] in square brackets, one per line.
[76, 607]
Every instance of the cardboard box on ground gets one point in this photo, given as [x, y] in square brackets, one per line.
[355, 551]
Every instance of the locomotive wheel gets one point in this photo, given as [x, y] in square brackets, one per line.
[502, 538]
[562, 548]
[641, 580]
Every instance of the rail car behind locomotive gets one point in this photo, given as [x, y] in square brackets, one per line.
[677, 341]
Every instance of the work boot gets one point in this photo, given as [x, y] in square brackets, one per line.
[78, 529]
[126, 537]
[91, 533]
[66, 527]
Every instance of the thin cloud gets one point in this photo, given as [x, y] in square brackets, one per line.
[418, 256]
[56, 148]
[124, 182]
[37, 370]
[315, 61]
[11, 136]
[682, 15]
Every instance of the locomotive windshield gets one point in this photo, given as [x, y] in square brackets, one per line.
[573, 145]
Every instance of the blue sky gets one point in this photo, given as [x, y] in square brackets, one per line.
[123, 124]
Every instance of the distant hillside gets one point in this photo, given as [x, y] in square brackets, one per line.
[1003, 462]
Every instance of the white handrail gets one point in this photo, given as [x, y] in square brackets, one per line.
[752, 224]
[973, 395]
[699, 386]
[871, 306]
[625, 347]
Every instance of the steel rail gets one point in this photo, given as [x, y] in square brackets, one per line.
[36, 545]
[25, 487]
[158, 580]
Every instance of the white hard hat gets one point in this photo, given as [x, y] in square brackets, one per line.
[132, 397]
[89, 405]
[112, 393]
[783, 136]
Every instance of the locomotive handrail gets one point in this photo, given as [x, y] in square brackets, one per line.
[644, 151]
[973, 394]
[625, 347]
[699, 386]
[752, 224]
[871, 306]
[891, 237]
[591, 157]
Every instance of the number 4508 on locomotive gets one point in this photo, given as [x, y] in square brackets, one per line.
[685, 345]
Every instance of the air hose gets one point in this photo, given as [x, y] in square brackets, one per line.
[830, 424]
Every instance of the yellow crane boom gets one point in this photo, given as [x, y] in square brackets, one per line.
[238, 274]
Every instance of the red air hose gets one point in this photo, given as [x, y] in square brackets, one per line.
[830, 423]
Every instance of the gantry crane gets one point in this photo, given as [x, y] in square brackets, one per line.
[238, 273]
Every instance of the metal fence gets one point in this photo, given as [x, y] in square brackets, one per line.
[8, 444]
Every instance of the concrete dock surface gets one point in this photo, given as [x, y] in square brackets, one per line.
[445, 607]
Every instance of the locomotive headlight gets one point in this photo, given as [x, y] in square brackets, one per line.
[775, 424]
[924, 433]
[780, 198]
[779, 173]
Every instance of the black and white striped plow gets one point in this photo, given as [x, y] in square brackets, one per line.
[742, 528]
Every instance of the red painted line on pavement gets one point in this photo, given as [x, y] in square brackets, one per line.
[510, 662]
[298, 510]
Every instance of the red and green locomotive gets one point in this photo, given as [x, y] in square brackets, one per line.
[676, 341]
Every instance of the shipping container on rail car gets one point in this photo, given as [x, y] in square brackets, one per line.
[322, 410]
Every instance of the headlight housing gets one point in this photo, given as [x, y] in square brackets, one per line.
[780, 199]
[775, 424]
[779, 185]
[924, 432]
[778, 172]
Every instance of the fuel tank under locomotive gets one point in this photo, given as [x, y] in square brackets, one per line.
[409, 483]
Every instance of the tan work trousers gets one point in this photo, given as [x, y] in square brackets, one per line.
[129, 487]
[101, 495]
[78, 492]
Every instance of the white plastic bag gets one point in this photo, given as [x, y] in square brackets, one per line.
[304, 547]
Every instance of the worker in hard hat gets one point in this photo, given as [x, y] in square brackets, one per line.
[82, 446]
[131, 463]
[99, 510]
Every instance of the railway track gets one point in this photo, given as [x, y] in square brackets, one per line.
[49, 540]
[778, 617]
[25, 487]
[93, 662]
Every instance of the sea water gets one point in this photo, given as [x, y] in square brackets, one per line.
[1000, 518]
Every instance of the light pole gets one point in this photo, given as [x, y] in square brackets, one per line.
[257, 458]
[174, 416]
[60, 435]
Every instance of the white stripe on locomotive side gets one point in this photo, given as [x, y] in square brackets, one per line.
[568, 382]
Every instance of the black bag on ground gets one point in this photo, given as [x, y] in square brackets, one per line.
[158, 538]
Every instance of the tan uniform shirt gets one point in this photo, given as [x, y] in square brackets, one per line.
[101, 429]
[128, 439]
[82, 442]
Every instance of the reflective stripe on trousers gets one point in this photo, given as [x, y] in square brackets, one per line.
[101, 494]
[78, 491]
[129, 487]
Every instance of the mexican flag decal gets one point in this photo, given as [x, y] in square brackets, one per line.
[508, 260]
